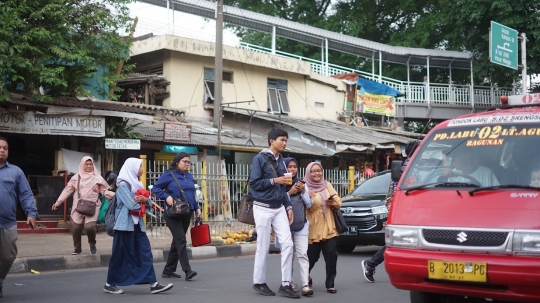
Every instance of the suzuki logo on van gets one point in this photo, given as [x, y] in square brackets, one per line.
[461, 237]
[523, 195]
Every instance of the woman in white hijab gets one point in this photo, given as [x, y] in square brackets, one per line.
[131, 261]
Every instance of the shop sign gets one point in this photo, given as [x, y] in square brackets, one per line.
[376, 104]
[481, 120]
[32, 123]
[177, 132]
[133, 144]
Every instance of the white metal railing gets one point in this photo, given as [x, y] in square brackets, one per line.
[415, 92]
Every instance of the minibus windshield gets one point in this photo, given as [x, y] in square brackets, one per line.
[481, 155]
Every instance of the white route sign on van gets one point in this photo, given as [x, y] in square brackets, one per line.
[521, 118]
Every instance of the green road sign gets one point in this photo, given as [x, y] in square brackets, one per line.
[503, 45]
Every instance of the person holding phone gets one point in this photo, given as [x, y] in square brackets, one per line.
[322, 227]
[300, 227]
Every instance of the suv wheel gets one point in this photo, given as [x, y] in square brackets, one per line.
[345, 248]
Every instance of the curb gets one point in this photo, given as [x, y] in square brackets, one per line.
[55, 263]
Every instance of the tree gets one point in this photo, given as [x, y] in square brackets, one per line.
[57, 44]
[419, 127]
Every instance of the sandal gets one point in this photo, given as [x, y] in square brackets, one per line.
[294, 287]
[307, 291]
[331, 290]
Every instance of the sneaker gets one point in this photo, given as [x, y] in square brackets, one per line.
[76, 252]
[368, 272]
[93, 249]
[287, 291]
[190, 274]
[160, 288]
[112, 289]
[263, 289]
[166, 274]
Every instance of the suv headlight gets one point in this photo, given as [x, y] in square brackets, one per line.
[526, 242]
[377, 210]
[402, 236]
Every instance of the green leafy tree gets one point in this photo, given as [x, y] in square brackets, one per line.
[57, 44]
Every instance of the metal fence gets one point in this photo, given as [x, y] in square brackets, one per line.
[220, 188]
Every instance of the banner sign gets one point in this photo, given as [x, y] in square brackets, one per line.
[133, 144]
[177, 132]
[376, 104]
[37, 124]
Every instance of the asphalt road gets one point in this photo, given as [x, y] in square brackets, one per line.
[220, 280]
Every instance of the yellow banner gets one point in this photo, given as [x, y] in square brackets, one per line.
[376, 104]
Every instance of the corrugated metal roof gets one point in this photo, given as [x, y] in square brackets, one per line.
[88, 103]
[336, 132]
[312, 35]
[203, 134]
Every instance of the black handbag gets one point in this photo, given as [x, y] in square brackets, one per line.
[180, 206]
[341, 226]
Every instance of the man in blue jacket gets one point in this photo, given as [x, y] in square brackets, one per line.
[13, 189]
[272, 208]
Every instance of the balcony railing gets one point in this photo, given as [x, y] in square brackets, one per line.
[415, 92]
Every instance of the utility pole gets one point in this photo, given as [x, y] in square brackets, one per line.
[218, 71]
[523, 39]
[218, 75]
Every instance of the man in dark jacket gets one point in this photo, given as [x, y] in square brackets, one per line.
[272, 208]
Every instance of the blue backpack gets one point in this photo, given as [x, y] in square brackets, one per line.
[110, 216]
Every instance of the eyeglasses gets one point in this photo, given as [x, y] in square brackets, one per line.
[187, 162]
[317, 171]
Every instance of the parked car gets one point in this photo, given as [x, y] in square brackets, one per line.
[364, 212]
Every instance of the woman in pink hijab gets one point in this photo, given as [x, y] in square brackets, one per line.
[322, 227]
[89, 183]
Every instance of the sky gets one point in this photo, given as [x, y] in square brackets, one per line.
[158, 20]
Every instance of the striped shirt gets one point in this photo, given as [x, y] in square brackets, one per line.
[14, 188]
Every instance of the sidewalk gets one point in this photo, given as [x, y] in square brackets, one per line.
[46, 252]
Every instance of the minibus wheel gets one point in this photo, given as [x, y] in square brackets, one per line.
[424, 297]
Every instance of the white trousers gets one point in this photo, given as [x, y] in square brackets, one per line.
[265, 219]
[300, 249]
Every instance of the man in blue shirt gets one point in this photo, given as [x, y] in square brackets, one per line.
[14, 188]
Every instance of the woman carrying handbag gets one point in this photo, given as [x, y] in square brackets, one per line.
[322, 224]
[86, 186]
[177, 187]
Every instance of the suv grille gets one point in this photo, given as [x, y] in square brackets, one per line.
[464, 237]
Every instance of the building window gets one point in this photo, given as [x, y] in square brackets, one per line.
[278, 101]
[209, 80]
[319, 104]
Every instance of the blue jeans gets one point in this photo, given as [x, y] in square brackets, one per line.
[377, 258]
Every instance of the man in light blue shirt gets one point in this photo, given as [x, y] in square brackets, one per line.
[14, 188]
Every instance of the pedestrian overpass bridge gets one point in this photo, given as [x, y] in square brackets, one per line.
[444, 100]
[437, 101]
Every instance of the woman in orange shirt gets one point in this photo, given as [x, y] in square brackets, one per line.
[322, 227]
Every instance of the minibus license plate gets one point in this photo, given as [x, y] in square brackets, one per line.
[457, 271]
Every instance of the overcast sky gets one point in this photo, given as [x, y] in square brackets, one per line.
[158, 20]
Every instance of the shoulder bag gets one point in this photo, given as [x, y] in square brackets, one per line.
[85, 207]
[245, 215]
[341, 226]
[180, 206]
